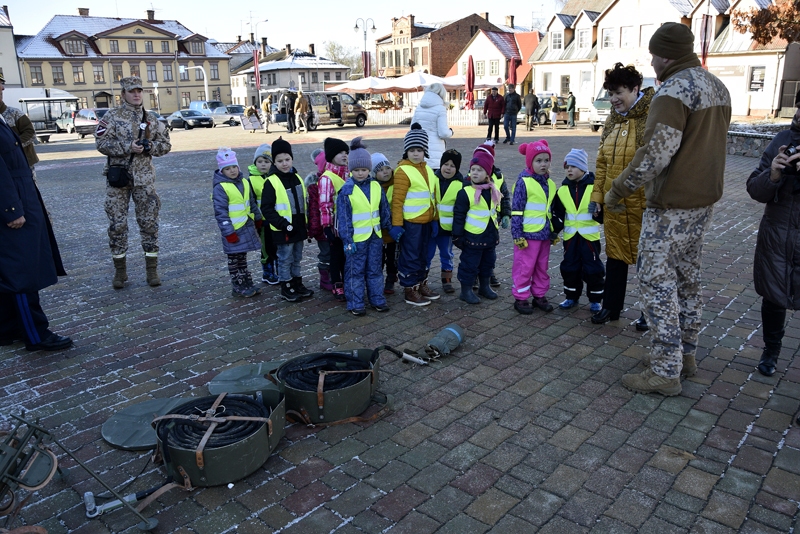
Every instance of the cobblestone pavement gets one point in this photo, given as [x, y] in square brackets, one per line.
[525, 428]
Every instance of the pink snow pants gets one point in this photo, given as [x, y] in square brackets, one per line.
[529, 270]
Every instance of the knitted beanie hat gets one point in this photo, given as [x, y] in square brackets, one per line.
[487, 146]
[451, 154]
[578, 158]
[318, 157]
[484, 160]
[333, 147]
[226, 158]
[672, 40]
[378, 161]
[530, 150]
[359, 158]
[279, 146]
[416, 137]
[263, 151]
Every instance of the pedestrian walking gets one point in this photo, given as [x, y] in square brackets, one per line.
[513, 103]
[431, 114]
[682, 167]
[493, 109]
[130, 137]
[531, 102]
[571, 110]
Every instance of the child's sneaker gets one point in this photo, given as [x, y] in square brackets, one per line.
[595, 307]
[359, 312]
[338, 292]
[567, 304]
[542, 304]
[381, 307]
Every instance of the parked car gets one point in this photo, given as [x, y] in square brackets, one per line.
[544, 109]
[85, 122]
[159, 117]
[188, 119]
[205, 107]
[324, 108]
[65, 123]
[601, 105]
[224, 115]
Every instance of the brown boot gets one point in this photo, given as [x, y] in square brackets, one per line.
[120, 272]
[649, 382]
[427, 292]
[414, 298]
[447, 282]
[151, 265]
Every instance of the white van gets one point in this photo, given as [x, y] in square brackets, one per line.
[205, 106]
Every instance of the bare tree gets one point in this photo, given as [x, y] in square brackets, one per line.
[343, 55]
[780, 19]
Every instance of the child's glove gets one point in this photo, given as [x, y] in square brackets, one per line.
[396, 232]
[521, 242]
[505, 222]
[350, 249]
[554, 240]
[434, 228]
[594, 208]
[232, 238]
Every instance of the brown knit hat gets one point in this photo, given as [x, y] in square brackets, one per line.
[673, 40]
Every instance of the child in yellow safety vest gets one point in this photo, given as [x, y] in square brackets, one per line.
[475, 228]
[581, 237]
[382, 172]
[330, 181]
[531, 228]
[262, 163]
[415, 220]
[284, 204]
[450, 183]
[238, 218]
[362, 215]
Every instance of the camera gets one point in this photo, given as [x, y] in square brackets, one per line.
[145, 144]
[791, 150]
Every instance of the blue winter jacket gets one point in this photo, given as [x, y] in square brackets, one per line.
[344, 211]
[248, 237]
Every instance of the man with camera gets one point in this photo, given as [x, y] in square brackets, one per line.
[681, 165]
[776, 269]
[131, 136]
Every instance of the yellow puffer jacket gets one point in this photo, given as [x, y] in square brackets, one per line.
[621, 137]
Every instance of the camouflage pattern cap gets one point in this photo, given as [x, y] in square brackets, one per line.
[130, 83]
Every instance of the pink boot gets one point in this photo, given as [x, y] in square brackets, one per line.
[325, 280]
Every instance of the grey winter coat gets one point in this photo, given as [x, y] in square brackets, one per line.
[776, 269]
[248, 237]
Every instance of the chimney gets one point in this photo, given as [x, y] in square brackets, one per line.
[263, 46]
[252, 38]
[288, 49]
[311, 49]
[151, 14]
[238, 38]
[83, 11]
[510, 21]
[485, 16]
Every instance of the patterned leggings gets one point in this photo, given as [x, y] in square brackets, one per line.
[237, 267]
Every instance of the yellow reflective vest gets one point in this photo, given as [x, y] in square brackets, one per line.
[537, 206]
[366, 212]
[421, 195]
[282, 205]
[498, 182]
[446, 203]
[479, 213]
[238, 203]
[578, 220]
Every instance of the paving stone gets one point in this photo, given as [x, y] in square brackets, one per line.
[740, 483]
[609, 525]
[423, 454]
[770, 518]
[695, 482]
[632, 507]
[477, 480]
[491, 436]
[538, 507]
[711, 527]
[628, 459]
[397, 504]
[726, 509]
[607, 482]
[509, 523]
[670, 459]
[684, 501]
[463, 456]
[433, 478]
[463, 523]
[392, 475]
[655, 525]
[565, 481]
[783, 484]
[685, 438]
[652, 482]
[584, 508]
[446, 504]
[352, 501]
[491, 506]
[675, 515]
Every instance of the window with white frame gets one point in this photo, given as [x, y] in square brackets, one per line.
[645, 33]
[77, 74]
[113, 45]
[464, 68]
[184, 73]
[99, 73]
[148, 47]
[152, 75]
[557, 40]
[494, 67]
[197, 47]
[58, 75]
[74, 47]
[586, 81]
[214, 71]
[609, 40]
[338, 76]
[480, 68]
[165, 47]
[626, 37]
[167, 73]
[135, 69]
[131, 45]
[584, 39]
[37, 78]
[547, 79]
[199, 74]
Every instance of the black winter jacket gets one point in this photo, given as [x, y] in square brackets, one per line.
[294, 190]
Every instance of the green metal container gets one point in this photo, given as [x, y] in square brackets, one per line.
[233, 462]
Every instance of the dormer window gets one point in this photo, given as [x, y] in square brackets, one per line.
[584, 39]
[74, 47]
[197, 47]
[557, 40]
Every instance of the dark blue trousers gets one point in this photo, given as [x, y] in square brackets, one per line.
[475, 263]
[21, 315]
[412, 263]
[363, 268]
[581, 264]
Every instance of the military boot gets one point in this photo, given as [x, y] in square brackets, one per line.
[151, 265]
[649, 382]
[120, 272]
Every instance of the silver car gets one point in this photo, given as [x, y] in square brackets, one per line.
[230, 115]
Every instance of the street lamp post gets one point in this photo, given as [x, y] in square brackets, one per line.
[205, 78]
[364, 24]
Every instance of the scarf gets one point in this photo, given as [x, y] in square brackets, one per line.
[637, 114]
[339, 171]
[496, 194]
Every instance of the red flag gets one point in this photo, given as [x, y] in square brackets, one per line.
[257, 72]
[366, 60]
[705, 42]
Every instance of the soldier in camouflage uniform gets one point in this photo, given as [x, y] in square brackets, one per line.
[681, 166]
[22, 126]
[117, 136]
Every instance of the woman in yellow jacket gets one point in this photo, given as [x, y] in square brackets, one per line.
[623, 134]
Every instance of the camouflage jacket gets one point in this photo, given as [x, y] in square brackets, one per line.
[23, 127]
[682, 161]
[119, 128]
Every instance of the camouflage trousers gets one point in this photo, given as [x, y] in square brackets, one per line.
[146, 204]
[669, 263]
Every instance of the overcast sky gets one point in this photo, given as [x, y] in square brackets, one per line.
[298, 23]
